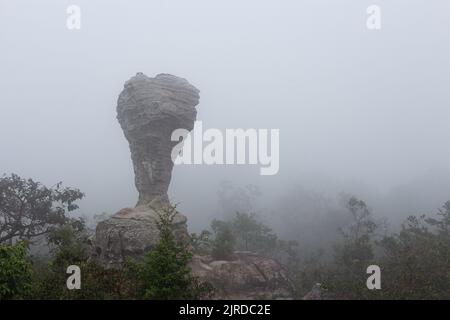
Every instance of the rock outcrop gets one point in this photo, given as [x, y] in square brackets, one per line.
[148, 110]
[130, 233]
[246, 276]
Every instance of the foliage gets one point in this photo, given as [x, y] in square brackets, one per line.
[417, 260]
[224, 241]
[245, 232]
[354, 254]
[28, 209]
[71, 247]
[252, 235]
[414, 262]
[164, 273]
[15, 272]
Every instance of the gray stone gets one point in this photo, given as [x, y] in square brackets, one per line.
[130, 233]
[246, 276]
[149, 110]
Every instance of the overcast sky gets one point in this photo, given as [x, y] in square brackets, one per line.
[354, 106]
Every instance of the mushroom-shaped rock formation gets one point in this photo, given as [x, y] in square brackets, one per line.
[148, 110]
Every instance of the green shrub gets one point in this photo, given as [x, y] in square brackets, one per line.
[164, 274]
[16, 272]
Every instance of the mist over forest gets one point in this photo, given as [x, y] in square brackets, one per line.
[361, 114]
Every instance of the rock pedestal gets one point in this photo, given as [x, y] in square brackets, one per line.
[246, 276]
[130, 233]
[148, 110]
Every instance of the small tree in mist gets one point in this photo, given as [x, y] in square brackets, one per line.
[253, 235]
[245, 232]
[224, 241]
[354, 254]
[357, 248]
[345, 276]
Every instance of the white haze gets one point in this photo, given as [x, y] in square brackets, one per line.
[359, 111]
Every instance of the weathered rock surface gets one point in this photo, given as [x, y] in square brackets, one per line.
[247, 276]
[149, 110]
[131, 233]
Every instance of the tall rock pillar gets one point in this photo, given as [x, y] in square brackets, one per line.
[149, 110]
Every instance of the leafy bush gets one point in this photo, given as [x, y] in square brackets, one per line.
[245, 232]
[71, 247]
[164, 273]
[16, 273]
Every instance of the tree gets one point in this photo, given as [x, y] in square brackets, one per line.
[253, 235]
[346, 277]
[201, 242]
[357, 248]
[164, 274]
[245, 232]
[416, 260]
[224, 241]
[16, 274]
[29, 209]
[70, 246]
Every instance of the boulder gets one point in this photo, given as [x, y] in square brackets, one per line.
[247, 276]
[130, 233]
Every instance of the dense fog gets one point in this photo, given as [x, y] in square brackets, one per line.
[360, 112]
